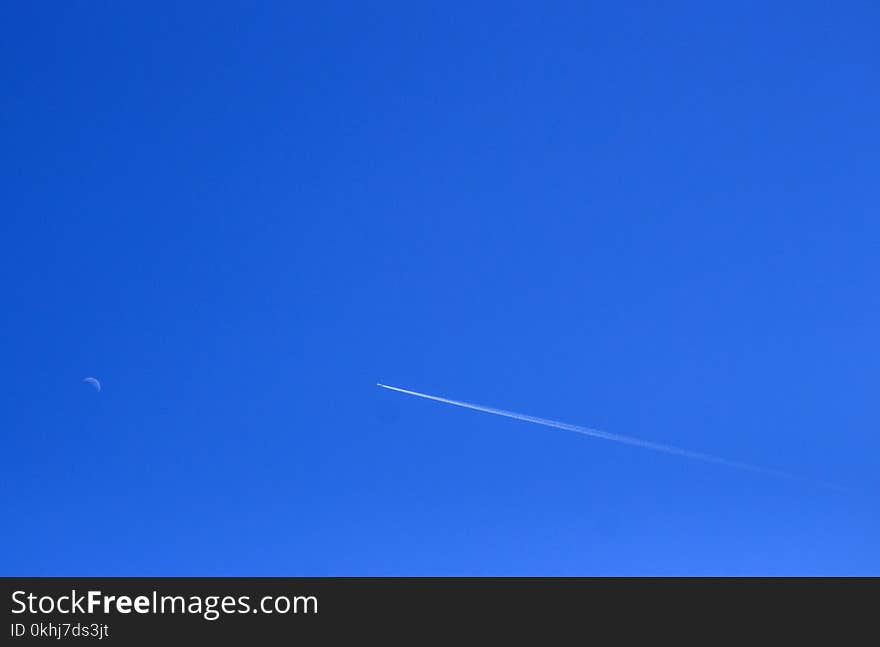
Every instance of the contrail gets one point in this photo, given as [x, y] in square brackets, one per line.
[596, 433]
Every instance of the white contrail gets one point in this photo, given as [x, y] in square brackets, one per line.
[596, 433]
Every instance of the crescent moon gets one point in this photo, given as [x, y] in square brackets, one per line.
[94, 382]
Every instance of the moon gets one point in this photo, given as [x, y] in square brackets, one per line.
[94, 382]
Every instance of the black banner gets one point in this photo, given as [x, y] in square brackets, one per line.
[182, 610]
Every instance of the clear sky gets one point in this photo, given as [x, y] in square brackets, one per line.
[659, 221]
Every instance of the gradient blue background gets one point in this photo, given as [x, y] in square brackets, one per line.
[658, 221]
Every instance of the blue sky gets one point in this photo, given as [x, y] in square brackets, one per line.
[657, 221]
